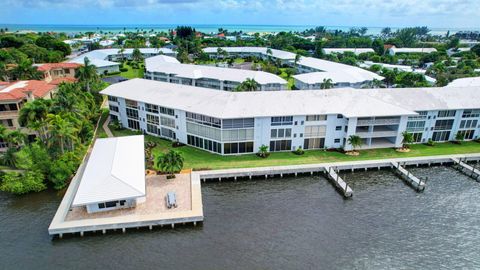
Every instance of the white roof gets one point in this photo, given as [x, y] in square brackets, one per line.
[412, 50]
[106, 43]
[465, 82]
[99, 57]
[260, 50]
[170, 65]
[338, 69]
[115, 171]
[357, 51]
[224, 104]
[347, 76]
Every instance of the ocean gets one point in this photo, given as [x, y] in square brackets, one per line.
[206, 28]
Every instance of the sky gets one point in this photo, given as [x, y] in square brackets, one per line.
[393, 13]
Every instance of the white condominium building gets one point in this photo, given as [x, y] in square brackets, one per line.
[240, 122]
[168, 69]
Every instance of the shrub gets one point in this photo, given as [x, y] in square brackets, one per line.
[17, 183]
[122, 69]
[113, 73]
[299, 151]
[263, 151]
[430, 142]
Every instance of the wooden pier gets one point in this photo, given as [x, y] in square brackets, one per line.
[339, 182]
[461, 165]
[409, 178]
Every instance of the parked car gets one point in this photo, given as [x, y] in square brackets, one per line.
[171, 200]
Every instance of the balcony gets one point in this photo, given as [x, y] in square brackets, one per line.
[8, 114]
[370, 122]
[377, 134]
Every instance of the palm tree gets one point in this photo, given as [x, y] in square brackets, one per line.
[326, 84]
[269, 53]
[9, 158]
[263, 151]
[221, 52]
[121, 52]
[87, 73]
[62, 131]
[297, 58]
[248, 85]
[170, 162]
[25, 71]
[407, 139]
[137, 55]
[355, 141]
[33, 115]
[459, 137]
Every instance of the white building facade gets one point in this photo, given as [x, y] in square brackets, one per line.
[238, 123]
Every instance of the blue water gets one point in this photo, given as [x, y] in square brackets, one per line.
[206, 28]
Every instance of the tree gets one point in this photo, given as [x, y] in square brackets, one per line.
[326, 84]
[378, 46]
[9, 158]
[137, 55]
[476, 49]
[459, 137]
[269, 54]
[263, 151]
[221, 53]
[87, 74]
[386, 32]
[407, 139]
[61, 130]
[355, 141]
[171, 162]
[25, 71]
[297, 58]
[33, 114]
[17, 183]
[248, 85]
[122, 53]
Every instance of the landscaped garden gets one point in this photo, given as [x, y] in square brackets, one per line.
[198, 159]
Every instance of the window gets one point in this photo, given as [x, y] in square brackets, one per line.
[238, 148]
[131, 104]
[338, 128]
[238, 123]
[443, 124]
[421, 115]
[165, 132]
[470, 113]
[443, 114]
[110, 98]
[204, 120]
[281, 133]
[132, 113]
[282, 145]
[467, 134]
[168, 122]
[282, 121]
[205, 144]
[9, 122]
[415, 126]
[113, 108]
[204, 131]
[167, 111]
[152, 119]
[468, 124]
[318, 117]
[111, 204]
[417, 137]
[440, 136]
[151, 108]
[337, 141]
[339, 116]
[315, 131]
[133, 124]
[314, 143]
[153, 129]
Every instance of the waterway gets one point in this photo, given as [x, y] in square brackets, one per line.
[289, 223]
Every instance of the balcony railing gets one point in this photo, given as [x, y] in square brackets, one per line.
[377, 134]
[392, 121]
[8, 114]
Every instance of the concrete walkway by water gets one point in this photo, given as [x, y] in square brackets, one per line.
[106, 128]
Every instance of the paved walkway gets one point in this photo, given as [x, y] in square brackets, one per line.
[106, 128]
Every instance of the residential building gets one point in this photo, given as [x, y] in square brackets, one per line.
[356, 51]
[169, 69]
[114, 176]
[240, 122]
[55, 73]
[392, 50]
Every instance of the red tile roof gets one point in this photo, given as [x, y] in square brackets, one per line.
[18, 90]
[50, 66]
[61, 80]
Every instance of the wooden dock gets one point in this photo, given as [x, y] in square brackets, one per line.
[409, 178]
[341, 185]
[461, 165]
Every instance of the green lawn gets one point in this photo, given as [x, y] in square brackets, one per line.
[290, 81]
[199, 159]
[132, 73]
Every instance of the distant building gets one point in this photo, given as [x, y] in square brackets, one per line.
[114, 177]
[356, 51]
[394, 50]
[55, 73]
[12, 98]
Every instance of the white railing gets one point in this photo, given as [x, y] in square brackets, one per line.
[375, 134]
[392, 121]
